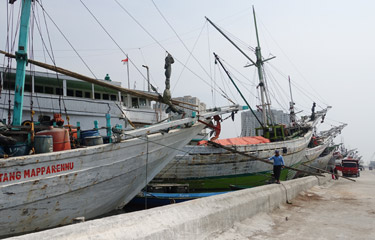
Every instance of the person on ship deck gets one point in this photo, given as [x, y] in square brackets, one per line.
[278, 164]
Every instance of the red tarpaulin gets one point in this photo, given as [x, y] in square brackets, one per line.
[239, 141]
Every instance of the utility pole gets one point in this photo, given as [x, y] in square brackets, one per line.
[148, 77]
[127, 65]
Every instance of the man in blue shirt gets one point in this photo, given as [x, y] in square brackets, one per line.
[278, 164]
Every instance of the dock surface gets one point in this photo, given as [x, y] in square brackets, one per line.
[337, 210]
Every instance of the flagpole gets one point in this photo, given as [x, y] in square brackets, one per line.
[127, 65]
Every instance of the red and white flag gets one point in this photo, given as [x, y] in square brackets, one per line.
[125, 60]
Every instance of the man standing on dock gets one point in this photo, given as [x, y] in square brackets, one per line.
[278, 164]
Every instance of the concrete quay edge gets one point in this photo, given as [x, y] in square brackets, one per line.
[195, 219]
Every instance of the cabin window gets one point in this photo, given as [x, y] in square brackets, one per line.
[9, 85]
[79, 93]
[113, 97]
[38, 89]
[142, 102]
[59, 91]
[87, 95]
[48, 90]
[97, 96]
[105, 96]
[27, 88]
[349, 164]
[70, 92]
[135, 103]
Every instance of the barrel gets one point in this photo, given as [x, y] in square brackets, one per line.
[60, 136]
[43, 144]
[93, 140]
[19, 149]
[2, 152]
[88, 133]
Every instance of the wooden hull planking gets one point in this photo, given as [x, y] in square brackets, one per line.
[212, 168]
[52, 189]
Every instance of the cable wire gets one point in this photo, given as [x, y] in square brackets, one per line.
[158, 42]
[57, 27]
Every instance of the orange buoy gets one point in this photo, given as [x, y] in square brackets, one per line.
[60, 137]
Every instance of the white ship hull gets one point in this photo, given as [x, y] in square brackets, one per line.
[310, 155]
[201, 166]
[322, 162]
[47, 190]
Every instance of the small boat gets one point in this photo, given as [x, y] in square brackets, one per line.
[156, 199]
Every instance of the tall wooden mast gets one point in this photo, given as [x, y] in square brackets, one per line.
[21, 58]
[266, 108]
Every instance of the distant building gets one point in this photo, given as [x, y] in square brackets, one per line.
[187, 99]
[192, 100]
[249, 122]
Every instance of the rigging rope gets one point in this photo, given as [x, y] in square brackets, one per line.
[279, 93]
[158, 42]
[52, 57]
[187, 60]
[33, 18]
[296, 85]
[226, 84]
[242, 83]
[104, 29]
[10, 43]
[57, 27]
[32, 67]
[295, 67]
[183, 43]
[210, 64]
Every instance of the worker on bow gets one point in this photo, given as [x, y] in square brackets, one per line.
[278, 164]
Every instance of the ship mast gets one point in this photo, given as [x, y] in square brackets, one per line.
[266, 108]
[21, 58]
[292, 113]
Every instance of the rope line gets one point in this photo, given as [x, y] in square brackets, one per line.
[190, 54]
[57, 27]
[158, 42]
[294, 66]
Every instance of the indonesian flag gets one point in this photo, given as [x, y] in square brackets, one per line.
[125, 60]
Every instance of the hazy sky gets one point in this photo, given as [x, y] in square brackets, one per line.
[325, 46]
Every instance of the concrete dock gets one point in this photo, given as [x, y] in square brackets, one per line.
[337, 210]
[317, 208]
